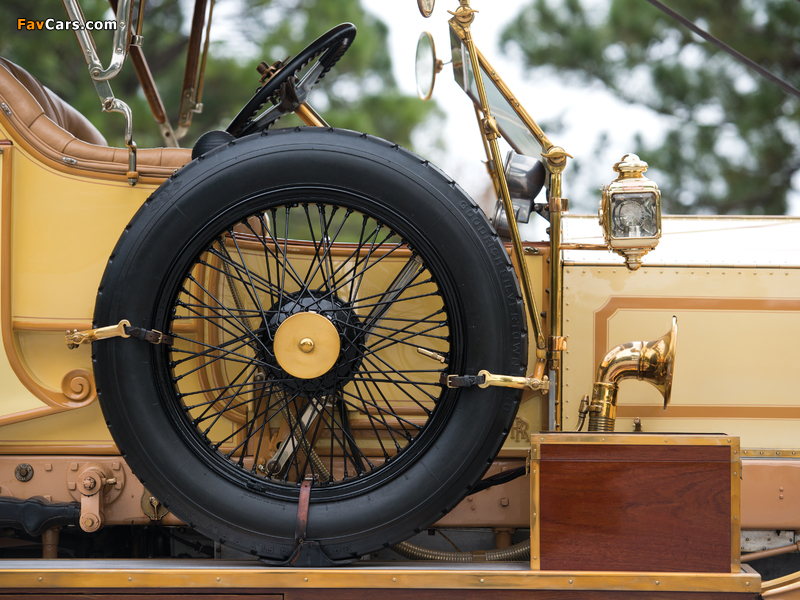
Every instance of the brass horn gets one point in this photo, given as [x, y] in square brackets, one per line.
[652, 362]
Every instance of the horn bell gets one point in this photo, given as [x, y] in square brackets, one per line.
[653, 362]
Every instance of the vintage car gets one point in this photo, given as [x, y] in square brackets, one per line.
[307, 346]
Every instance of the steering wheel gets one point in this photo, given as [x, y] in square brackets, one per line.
[331, 45]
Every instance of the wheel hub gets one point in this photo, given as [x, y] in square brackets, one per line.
[315, 339]
[306, 345]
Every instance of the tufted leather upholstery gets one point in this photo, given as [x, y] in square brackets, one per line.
[59, 132]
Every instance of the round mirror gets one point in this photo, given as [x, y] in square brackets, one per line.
[427, 66]
[426, 7]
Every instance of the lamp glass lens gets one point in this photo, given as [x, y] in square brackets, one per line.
[634, 215]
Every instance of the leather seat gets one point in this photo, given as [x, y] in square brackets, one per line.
[54, 129]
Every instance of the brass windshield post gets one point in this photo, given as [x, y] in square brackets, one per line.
[462, 18]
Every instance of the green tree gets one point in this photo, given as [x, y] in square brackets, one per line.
[360, 93]
[733, 139]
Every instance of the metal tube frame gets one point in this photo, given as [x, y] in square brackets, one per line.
[555, 161]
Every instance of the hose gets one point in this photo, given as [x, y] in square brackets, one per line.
[517, 552]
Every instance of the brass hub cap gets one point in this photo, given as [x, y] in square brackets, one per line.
[307, 345]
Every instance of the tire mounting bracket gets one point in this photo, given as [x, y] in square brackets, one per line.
[123, 329]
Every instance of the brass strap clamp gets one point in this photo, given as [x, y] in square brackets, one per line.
[122, 329]
[484, 379]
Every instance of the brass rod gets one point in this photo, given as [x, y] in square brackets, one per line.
[527, 287]
[554, 320]
[491, 168]
[309, 116]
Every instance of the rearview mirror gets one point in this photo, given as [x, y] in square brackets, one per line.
[427, 65]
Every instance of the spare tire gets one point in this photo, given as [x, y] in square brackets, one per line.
[297, 275]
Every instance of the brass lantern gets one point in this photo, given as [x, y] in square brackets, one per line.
[630, 212]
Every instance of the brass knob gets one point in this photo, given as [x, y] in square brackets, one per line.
[306, 345]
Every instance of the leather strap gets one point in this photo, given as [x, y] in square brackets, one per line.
[152, 336]
[302, 512]
[459, 381]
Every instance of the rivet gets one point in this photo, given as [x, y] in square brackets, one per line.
[781, 496]
[395, 579]
[40, 578]
[747, 582]
[482, 580]
[219, 578]
[658, 582]
[735, 518]
[305, 578]
[570, 580]
[130, 578]
[735, 473]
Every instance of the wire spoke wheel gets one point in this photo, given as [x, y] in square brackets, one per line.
[348, 391]
[318, 285]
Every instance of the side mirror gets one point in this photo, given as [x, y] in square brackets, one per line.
[426, 7]
[426, 66]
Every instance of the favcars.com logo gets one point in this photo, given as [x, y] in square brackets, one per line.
[56, 25]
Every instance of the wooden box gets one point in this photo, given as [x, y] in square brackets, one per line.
[635, 502]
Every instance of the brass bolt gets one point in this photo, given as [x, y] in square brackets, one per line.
[89, 483]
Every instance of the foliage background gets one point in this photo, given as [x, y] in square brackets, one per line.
[363, 95]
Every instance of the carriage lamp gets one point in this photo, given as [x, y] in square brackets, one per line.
[630, 212]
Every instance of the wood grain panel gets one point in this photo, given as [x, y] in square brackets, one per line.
[635, 514]
[371, 594]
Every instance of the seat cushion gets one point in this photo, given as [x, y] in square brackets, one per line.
[60, 133]
[61, 113]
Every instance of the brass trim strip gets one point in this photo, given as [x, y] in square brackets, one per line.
[769, 453]
[535, 494]
[35, 447]
[736, 507]
[116, 575]
[648, 439]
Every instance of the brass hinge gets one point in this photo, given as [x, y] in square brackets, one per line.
[557, 343]
[122, 329]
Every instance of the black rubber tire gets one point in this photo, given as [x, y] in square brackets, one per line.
[437, 220]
